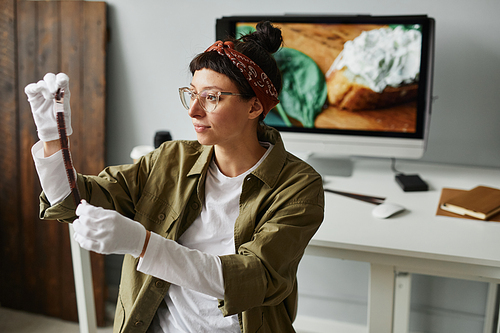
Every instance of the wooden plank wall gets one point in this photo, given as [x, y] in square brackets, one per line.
[38, 37]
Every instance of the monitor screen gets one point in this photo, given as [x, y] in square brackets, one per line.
[352, 85]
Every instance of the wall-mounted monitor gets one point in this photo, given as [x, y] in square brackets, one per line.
[352, 85]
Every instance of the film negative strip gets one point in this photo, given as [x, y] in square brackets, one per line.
[63, 139]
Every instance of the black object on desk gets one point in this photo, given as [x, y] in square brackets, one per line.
[411, 183]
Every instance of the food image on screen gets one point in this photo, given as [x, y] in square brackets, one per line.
[347, 76]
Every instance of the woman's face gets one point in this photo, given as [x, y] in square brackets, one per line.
[231, 122]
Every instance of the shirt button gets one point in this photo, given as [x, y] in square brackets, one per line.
[161, 217]
[159, 284]
[138, 323]
[195, 205]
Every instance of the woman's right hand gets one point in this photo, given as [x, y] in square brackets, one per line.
[41, 96]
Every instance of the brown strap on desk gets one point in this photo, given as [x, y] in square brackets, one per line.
[362, 197]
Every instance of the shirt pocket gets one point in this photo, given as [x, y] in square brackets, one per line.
[155, 214]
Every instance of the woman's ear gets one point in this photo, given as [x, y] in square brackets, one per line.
[256, 108]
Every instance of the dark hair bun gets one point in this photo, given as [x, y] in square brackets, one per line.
[267, 36]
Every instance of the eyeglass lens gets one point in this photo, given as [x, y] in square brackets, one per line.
[207, 99]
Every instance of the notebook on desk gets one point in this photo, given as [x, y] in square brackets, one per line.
[449, 193]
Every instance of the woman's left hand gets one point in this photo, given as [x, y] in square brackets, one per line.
[107, 231]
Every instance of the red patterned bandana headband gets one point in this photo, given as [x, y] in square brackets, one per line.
[258, 80]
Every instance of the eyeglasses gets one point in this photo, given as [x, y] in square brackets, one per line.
[208, 99]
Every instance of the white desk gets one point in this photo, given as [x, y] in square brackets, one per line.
[415, 241]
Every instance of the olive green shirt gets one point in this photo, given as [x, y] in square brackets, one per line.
[281, 207]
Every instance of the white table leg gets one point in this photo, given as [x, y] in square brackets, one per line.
[491, 301]
[402, 296]
[381, 299]
[83, 285]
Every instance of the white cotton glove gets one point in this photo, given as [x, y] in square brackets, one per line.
[107, 231]
[41, 96]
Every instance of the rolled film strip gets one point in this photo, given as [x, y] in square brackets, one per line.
[63, 139]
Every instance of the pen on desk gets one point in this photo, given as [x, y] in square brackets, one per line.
[362, 197]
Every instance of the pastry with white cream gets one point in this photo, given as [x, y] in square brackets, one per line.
[377, 69]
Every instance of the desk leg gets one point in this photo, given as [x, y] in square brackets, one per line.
[83, 286]
[381, 299]
[402, 296]
[491, 302]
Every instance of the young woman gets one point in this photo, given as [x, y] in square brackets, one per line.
[212, 230]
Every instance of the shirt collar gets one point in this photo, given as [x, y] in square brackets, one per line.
[203, 161]
[268, 171]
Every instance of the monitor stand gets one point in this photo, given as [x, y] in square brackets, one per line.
[331, 166]
[328, 165]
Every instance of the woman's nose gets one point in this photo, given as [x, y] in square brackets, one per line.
[195, 109]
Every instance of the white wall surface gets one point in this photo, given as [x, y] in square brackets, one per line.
[153, 41]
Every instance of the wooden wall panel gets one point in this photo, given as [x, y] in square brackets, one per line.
[71, 64]
[10, 228]
[47, 36]
[93, 89]
[26, 29]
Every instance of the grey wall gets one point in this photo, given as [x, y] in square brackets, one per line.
[152, 43]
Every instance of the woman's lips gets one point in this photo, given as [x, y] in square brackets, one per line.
[200, 128]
